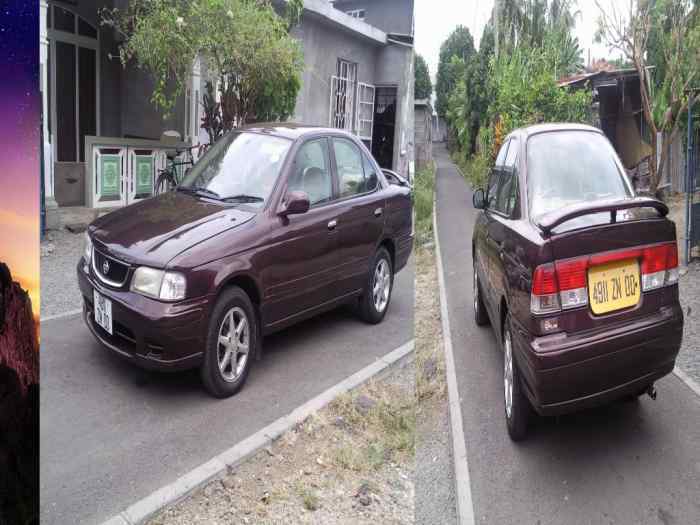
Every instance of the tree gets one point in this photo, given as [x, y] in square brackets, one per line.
[675, 25]
[424, 87]
[244, 44]
[459, 44]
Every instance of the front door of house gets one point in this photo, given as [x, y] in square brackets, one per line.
[73, 82]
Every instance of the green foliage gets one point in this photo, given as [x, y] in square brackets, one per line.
[459, 44]
[423, 189]
[526, 92]
[245, 44]
[423, 87]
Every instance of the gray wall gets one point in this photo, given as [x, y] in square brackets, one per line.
[322, 47]
[395, 68]
[391, 16]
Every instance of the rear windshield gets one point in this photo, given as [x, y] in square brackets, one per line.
[569, 167]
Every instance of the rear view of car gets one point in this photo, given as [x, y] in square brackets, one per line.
[589, 279]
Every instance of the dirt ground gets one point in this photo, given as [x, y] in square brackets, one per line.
[353, 462]
[435, 490]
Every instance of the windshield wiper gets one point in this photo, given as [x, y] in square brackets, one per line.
[242, 198]
[198, 190]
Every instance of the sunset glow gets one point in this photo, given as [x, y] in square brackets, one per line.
[19, 144]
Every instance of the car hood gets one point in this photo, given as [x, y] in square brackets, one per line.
[154, 231]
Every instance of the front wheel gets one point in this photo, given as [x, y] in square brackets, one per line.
[517, 407]
[375, 299]
[231, 342]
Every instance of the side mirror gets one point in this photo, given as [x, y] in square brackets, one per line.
[478, 199]
[294, 203]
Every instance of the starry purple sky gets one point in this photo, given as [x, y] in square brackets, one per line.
[20, 105]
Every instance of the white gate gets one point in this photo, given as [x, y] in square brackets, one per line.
[121, 174]
[352, 107]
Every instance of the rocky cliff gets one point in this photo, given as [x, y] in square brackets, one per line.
[19, 405]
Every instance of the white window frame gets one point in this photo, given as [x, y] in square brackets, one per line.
[357, 13]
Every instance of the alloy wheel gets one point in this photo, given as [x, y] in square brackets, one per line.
[381, 285]
[508, 372]
[233, 345]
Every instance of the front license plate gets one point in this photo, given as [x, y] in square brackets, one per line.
[613, 286]
[103, 311]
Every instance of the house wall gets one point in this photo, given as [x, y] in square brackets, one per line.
[322, 47]
[630, 145]
[395, 68]
[391, 16]
[424, 140]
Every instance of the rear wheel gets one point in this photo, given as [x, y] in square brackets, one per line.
[517, 407]
[375, 299]
[231, 342]
[480, 316]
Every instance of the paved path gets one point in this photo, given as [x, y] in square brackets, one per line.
[626, 463]
[112, 434]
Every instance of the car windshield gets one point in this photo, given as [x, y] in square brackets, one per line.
[570, 167]
[241, 167]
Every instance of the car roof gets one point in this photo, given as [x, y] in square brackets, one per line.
[289, 130]
[528, 131]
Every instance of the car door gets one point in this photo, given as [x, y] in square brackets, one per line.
[303, 255]
[362, 216]
[490, 246]
[498, 233]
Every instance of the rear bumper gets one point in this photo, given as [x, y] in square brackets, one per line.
[151, 334]
[567, 372]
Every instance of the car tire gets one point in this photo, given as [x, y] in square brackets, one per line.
[517, 409]
[374, 301]
[481, 317]
[233, 327]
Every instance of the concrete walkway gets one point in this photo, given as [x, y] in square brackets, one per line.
[626, 463]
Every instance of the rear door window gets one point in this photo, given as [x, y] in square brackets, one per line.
[571, 167]
[349, 165]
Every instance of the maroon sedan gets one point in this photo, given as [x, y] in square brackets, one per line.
[273, 225]
[577, 275]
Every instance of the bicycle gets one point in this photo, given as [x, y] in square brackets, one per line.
[170, 177]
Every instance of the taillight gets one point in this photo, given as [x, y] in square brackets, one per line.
[659, 266]
[544, 298]
[563, 285]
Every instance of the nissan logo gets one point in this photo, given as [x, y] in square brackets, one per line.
[105, 267]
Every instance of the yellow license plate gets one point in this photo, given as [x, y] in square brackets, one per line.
[613, 286]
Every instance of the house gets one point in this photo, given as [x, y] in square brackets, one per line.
[618, 113]
[102, 135]
[424, 132]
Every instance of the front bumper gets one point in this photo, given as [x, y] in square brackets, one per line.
[149, 333]
[568, 372]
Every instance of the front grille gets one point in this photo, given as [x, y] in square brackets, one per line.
[109, 269]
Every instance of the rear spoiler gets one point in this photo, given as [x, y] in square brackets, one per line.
[551, 220]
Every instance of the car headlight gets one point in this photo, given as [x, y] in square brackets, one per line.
[168, 286]
[87, 254]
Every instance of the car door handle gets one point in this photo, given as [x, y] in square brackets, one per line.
[332, 224]
[378, 212]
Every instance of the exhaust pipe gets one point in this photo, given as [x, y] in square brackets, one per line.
[651, 391]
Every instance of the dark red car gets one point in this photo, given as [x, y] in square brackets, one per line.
[275, 224]
[577, 275]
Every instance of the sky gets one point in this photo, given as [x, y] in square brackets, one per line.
[436, 19]
[19, 143]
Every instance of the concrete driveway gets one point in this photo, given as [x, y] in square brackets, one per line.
[112, 434]
[635, 462]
